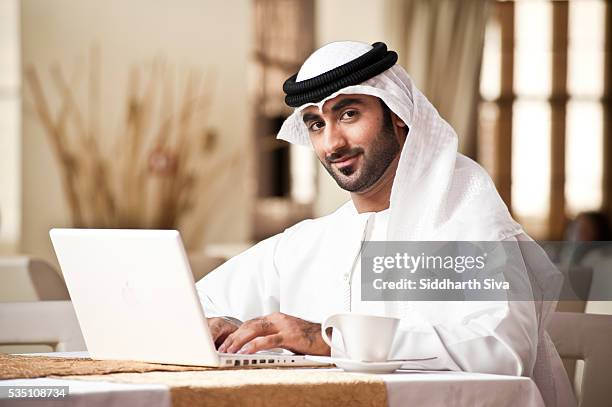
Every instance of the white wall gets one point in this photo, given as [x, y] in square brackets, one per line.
[10, 205]
[205, 34]
[339, 20]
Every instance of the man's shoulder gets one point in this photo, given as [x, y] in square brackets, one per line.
[469, 174]
[466, 164]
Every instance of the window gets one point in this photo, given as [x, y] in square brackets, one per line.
[542, 112]
[286, 174]
[282, 43]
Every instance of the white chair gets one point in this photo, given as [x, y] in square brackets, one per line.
[35, 307]
[23, 278]
[51, 323]
[586, 337]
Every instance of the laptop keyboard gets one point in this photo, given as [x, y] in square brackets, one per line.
[258, 359]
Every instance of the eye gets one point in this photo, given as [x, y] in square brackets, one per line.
[316, 126]
[349, 114]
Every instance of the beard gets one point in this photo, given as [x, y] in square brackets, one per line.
[383, 150]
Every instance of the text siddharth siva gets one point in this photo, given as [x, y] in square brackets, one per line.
[408, 271]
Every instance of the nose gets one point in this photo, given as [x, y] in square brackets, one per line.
[334, 139]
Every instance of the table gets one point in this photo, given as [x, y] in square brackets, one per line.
[404, 388]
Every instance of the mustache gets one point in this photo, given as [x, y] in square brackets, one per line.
[342, 155]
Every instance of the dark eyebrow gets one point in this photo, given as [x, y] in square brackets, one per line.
[346, 102]
[338, 106]
[310, 117]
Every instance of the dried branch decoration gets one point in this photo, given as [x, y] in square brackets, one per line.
[162, 167]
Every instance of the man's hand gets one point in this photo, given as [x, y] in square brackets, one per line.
[276, 331]
[220, 329]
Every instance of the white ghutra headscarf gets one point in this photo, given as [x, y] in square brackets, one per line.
[437, 193]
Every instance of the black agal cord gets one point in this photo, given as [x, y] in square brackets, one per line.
[360, 69]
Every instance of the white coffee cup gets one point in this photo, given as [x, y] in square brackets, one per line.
[366, 338]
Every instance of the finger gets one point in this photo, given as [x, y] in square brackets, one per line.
[247, 331]
[237, 339]
[216, 327]
[219, 329]
[213, 327]
[224, 332]
[222, 338]
[262, 343]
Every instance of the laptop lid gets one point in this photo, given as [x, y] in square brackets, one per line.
[134, 295]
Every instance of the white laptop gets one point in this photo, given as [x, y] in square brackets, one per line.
[135, 299]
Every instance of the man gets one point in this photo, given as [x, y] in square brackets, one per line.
[381, 140]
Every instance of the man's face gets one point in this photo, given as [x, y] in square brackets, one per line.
[354, 139]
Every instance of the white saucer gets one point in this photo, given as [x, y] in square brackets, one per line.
[350, 365]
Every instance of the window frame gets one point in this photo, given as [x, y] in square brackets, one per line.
[558, 102]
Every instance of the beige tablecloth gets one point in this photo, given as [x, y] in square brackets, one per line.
[23, 366]
[199, 386]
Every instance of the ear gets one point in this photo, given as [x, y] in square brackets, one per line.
[400, 128]
[397, 121]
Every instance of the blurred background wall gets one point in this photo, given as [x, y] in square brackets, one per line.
[208, 36]
[526, 84]
[10, 115]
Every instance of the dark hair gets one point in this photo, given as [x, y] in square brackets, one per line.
[387, 119]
